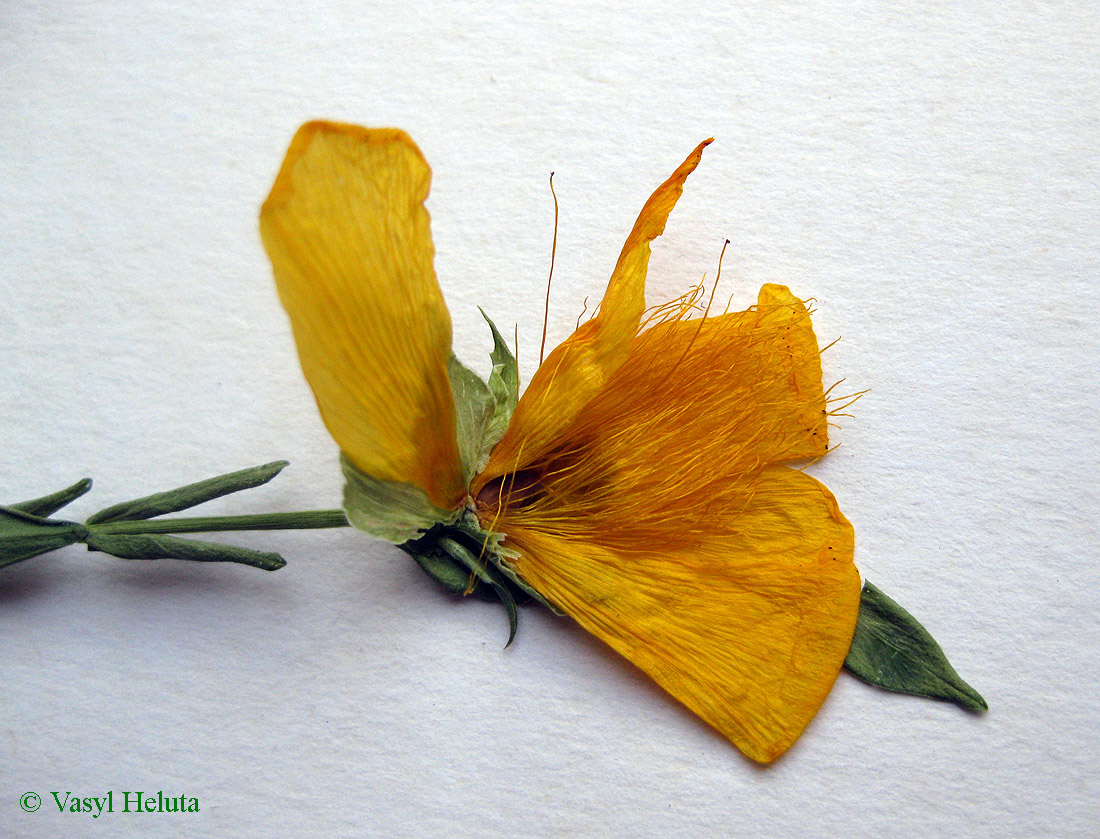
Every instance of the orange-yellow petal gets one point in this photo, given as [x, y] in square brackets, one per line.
[752, 378]
[748, 628]
[350, 243]
[668, 446]
[658, 519]
[578, 368]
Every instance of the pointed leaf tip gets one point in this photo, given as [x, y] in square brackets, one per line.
[47, 505]
[891, 650]
[504, 385]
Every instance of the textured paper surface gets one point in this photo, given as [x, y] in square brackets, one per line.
[927, 172]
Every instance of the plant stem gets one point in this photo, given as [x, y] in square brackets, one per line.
[304, 520]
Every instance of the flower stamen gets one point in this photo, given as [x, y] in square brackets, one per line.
[553, 253]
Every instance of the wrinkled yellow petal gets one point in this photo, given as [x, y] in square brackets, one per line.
[578, 368]
[696, 409]
[349, 240]
[748, 628]
[657, 518]
[753, 379]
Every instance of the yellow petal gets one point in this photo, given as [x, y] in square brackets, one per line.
[747, 628]
[752, 379]
[578, 368]
[656, 519]
[350, 243]
[668, 446]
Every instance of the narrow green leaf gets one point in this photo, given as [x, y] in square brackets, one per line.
[142, 546]
[23, 535]
[47, 505]
[390, 510]
[191, 495]
[474, 407]
[893, 651]
[504, 385]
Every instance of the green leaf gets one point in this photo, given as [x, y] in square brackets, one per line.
[191, 495]
[144, 546]
[474, 408]
[893, 651]
[390, 510]
[23, 535]
[504, 385]
[47, 505]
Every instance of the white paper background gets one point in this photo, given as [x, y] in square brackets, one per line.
[927, 171]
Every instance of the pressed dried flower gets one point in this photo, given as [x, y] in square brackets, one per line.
[640, 486]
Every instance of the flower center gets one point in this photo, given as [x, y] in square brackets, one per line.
[517, 489]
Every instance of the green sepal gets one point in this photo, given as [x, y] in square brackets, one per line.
[474, 408]
[191, 495]
[47, 505]
[520, 583]
[451, 573]
[504, 385]
[891, 650]
[391, 510]
[442, 568]
[24, 535]
[483, 411]
[483, 569]
[500, 556]
[465, 560]
[159, 546]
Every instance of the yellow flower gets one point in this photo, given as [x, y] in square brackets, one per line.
[640, 486]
